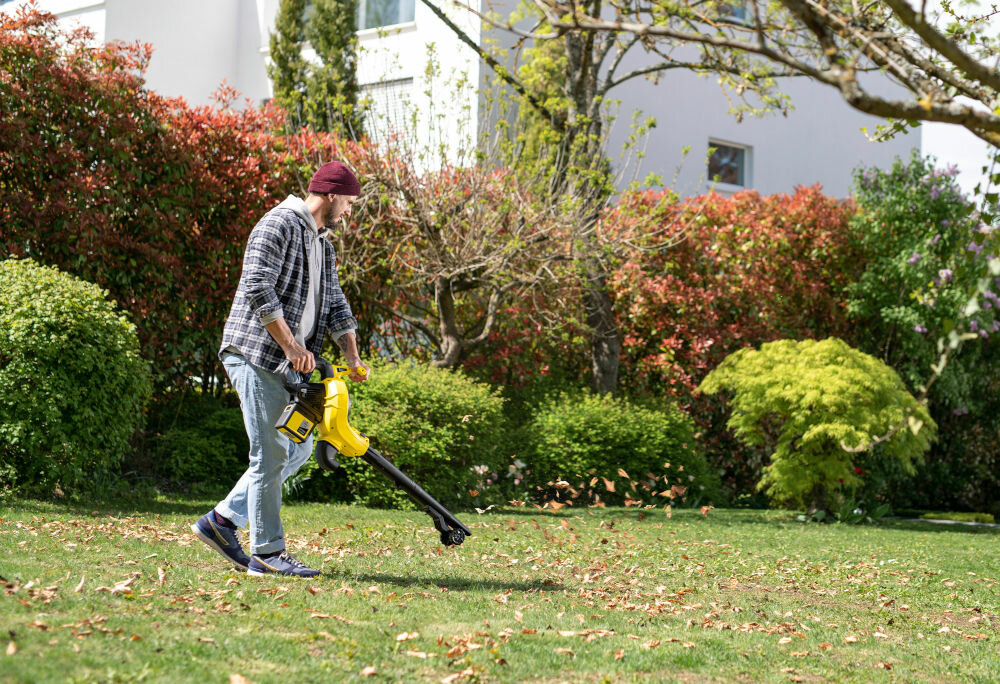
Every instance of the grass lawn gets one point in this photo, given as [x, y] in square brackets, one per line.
[585, 595]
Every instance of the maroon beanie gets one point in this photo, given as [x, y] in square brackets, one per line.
[334, 177]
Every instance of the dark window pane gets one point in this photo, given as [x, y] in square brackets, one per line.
[726, 165]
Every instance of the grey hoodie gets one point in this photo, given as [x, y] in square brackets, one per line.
[311, 311]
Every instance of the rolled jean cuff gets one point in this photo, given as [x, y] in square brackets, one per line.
[235, 518]
[269, 547]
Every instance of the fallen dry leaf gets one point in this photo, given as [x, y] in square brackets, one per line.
[851, 639]
[207, 640]
[420, 654]
[135, 637]
[825, 646]
[687, 644]
[368, 671]
[653, 643]
[884, 666]
[406, 636]
[11, 648]
[79, 587]
[467, 672]
[619, 654]
[566, 651]
[161, 575]
[785, 640]
[237, 678]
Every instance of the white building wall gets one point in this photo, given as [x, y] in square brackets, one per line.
[820, 141]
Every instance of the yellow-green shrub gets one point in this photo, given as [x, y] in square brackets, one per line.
[805, 401]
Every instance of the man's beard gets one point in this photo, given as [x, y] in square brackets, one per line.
[330, 217]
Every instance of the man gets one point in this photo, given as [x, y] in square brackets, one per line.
[288, 300]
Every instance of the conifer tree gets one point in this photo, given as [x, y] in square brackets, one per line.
[321, 94]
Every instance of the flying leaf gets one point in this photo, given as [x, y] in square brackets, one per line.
[608, 484]
[621, 471]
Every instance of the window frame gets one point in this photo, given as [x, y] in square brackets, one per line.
[746, 174]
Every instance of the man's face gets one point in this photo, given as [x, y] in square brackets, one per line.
[339, 207]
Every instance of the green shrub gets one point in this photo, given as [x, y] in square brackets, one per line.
[198, 440]
[577, 437]
[805, 401]
[960, 517]
[436, 426]
[73, 386]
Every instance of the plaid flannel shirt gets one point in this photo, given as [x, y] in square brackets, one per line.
[273, 285]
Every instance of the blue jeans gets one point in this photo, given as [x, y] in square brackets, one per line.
[256, 498]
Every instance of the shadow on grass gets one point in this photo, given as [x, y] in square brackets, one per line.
[451, 583]
[112, 507]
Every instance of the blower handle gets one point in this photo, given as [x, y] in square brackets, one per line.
[289, 380]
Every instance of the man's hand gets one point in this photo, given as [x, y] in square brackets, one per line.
[357, 365]
[349, 346]
[300, 358]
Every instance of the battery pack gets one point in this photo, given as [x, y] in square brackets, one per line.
[295, 423]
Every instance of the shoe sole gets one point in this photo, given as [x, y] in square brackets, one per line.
[215, 547]
[268, 573]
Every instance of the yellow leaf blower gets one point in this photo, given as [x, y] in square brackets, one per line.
[325, 407]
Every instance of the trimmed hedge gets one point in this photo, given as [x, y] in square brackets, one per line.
[575, 438]
[73, 386]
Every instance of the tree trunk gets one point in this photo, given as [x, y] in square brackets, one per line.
[605, 344]
[451, 339]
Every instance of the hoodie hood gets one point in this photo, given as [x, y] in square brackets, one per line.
[299, 207]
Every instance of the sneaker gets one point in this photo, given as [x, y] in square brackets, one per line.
[282, 564]
[222, 539]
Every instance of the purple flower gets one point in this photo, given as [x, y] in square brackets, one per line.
[945, 223]
[913, 259]
[973, 247]
[951, 170]
[935, 239]
[960, 411]
[973, 325]
[983, 334]
[919, 328]
[935, 192]
[945, 275]
[995, 326]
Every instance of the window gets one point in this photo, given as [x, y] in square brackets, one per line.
[727, 164]
[388, 103]
[376, 13]
[733, 11]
